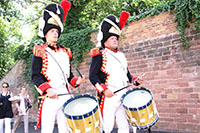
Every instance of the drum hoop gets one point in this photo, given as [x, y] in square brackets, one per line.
[134, 89]
[78, 117]
[150, 124]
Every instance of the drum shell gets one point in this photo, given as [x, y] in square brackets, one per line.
[144, 116]
[84, 122]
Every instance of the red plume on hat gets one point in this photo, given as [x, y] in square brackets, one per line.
[66, 6]
[123, 18]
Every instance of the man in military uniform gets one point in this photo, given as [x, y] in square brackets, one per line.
[51, 70]
[109, 72]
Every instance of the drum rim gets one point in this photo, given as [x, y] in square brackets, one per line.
[77, 117]
[134, 89]
[148, 125]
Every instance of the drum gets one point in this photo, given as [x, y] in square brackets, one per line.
[140, 108]
[83, 114]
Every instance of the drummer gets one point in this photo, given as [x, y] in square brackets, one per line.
[109, 72]
[51, 70]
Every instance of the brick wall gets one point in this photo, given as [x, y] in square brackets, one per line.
[152, 46]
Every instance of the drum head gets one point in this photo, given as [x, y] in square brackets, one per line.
[79, 105]
[136, 98]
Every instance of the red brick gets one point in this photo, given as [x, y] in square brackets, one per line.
[182, 111]
[196, 96]
[187, 90]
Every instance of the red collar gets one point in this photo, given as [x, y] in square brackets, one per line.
[52, 45]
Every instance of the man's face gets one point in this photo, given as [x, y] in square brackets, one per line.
[112, 43]
[52, 36]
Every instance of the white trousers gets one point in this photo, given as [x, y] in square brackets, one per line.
[114, 110]
[51, 111]
[7, 122]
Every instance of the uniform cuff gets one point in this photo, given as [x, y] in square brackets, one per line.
[101, 88]
[134, 81]
[43, 87]
[73, 82]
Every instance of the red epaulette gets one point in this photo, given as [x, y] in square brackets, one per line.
[94, 52]
[39, 50]
[69, 52]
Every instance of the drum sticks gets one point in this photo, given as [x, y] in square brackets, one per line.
[122, 88]
[129, 85]
[79, 73]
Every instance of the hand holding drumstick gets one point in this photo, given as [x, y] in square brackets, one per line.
[139, 80]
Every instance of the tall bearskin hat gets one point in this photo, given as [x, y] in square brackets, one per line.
[53, 16]
[111, 26]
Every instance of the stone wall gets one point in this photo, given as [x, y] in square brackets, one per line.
[152, 46]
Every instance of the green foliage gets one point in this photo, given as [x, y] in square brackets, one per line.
[72, 20]
[6, 10]
[95, 10]
[8, 42]
[79, 42]
[186, 11]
